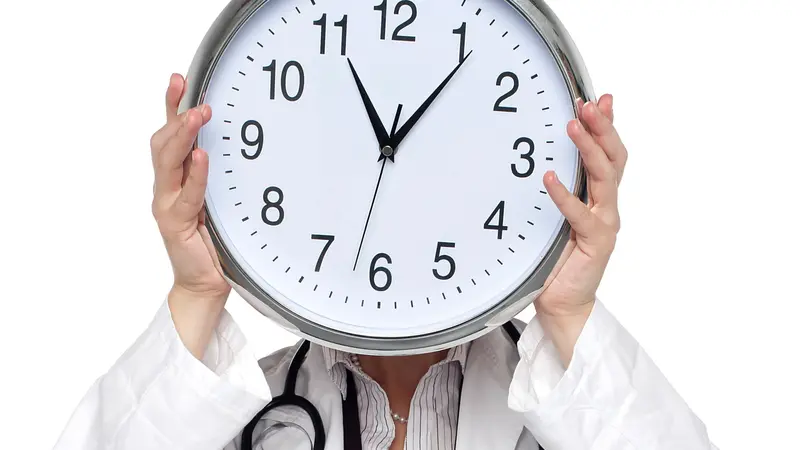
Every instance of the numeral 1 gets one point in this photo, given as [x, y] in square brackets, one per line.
[462, 32]
[396, 36]
[301, 80]
[322, 22]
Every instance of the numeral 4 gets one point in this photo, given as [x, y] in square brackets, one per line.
[499, 212]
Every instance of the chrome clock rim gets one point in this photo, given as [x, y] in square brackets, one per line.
[576, 76]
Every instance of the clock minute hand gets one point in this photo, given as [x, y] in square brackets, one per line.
[403, 131]
[375, 120]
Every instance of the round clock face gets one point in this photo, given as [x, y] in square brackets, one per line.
[376, 167]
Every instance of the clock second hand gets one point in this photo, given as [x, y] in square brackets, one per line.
[375, 194]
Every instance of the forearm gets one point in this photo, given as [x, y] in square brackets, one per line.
[157, 390]
[611, 396]
[195, 317]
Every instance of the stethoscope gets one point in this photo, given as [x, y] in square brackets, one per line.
[350, 421]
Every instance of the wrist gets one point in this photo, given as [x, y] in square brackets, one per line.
[195, 316]
[564, 325]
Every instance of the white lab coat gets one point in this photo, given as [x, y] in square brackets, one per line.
[157, 396]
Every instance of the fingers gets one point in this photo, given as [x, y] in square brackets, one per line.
[606, 135]
[606, 105]
[174, 94]
[601, 174]
[576, 212]
[169, 160]
[165, 133]
[190, 200]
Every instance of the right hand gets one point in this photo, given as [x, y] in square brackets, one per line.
[181, 175]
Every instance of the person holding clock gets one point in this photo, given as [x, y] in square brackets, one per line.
[403, 262]
[575, 380]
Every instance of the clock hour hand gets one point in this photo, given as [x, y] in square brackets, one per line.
[403, 131]
[375, 120]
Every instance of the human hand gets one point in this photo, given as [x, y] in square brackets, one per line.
[199, 291]
[568, 298]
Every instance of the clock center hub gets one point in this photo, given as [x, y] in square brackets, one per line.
[387, 150]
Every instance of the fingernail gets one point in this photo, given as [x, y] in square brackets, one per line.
[555, 177]
[186, 116]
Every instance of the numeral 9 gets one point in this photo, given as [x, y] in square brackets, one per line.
[258, 142]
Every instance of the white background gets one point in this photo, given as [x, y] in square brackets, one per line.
[704, 274]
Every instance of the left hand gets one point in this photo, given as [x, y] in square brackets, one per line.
[565, 304]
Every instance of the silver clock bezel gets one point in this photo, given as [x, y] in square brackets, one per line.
[572, 68]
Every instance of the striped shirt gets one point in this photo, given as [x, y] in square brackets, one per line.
[433, 413]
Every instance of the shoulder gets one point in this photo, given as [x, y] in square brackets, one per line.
[276, 365]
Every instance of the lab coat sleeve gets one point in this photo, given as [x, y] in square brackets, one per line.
[610, 397]
[159, 396]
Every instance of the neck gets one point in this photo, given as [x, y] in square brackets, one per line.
[399, 375]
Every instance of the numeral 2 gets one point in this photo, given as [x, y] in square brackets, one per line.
[498, 104]
[396, 36]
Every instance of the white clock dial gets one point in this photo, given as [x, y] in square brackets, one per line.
[460, 217]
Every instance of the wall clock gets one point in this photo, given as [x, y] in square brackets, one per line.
[376, 166]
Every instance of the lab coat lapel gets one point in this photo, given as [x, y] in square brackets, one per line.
[485, 420]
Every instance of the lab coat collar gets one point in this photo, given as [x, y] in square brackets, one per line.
[337, 362]
[485, 420]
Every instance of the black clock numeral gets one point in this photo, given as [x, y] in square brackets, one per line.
[396, 36]
[499, 211]
[258, 142]
[449, 259]
[301, 80]
[462, 32]
[526, 156]
[497, 105]
[375, 270]
[329, 241]
[323, 24]
[269, 204]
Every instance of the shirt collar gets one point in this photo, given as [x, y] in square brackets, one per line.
[338, 362]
